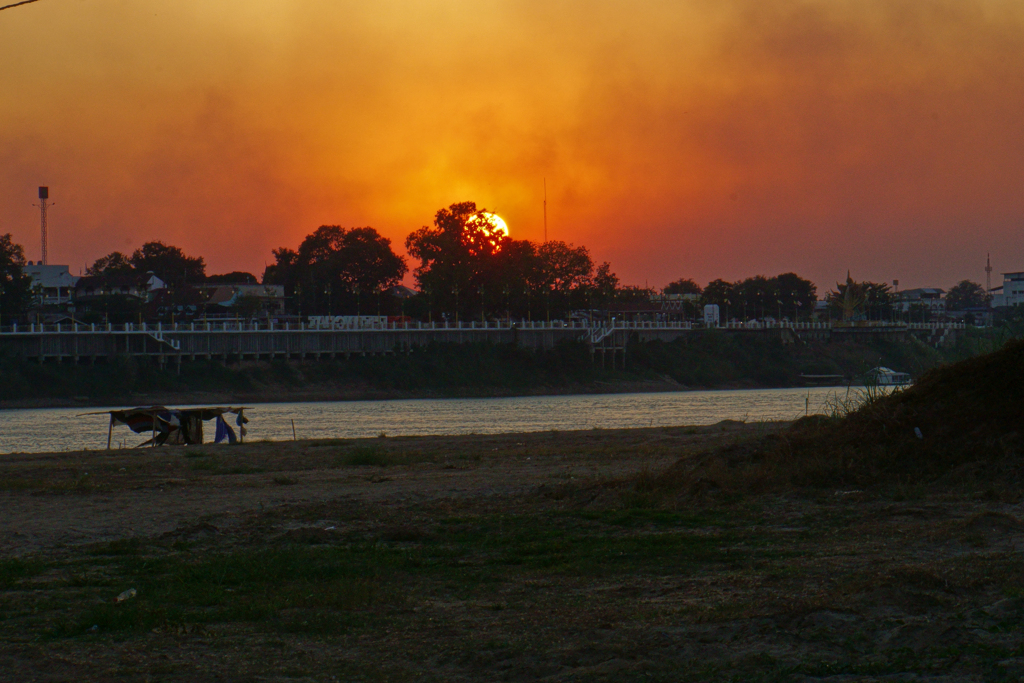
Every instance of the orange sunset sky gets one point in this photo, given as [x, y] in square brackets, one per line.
[683, 138]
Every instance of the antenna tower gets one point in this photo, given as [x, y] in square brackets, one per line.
[44, 195]
[988, 274]
[545, 209]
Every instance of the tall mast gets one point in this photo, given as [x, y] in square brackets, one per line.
[545, 209]
[44, 194]
[988, 274]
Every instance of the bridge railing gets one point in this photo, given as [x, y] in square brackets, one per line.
[874, 325]
[242, 326]
[582, 325]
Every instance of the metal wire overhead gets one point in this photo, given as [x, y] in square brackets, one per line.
[23, 2]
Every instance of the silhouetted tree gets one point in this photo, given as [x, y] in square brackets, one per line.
[564, 267]
[683, 286]
[604, 285]
[797, 295]
[168, 263]
[756, 296]
[114, 263]
[719, 292]
[14, 284]
[966, 294]
[468, 266]
[632, 294]
[514, 282]
[457, 256]
[336, 269]
[237, 277]
[565, 274]
[284, 270]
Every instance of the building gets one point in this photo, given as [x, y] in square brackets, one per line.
[51, 285]
[265, 298]
[676, 302]
[931, 298]
[677, 306]
[1012, 291]
[403, 292]
[127, 285]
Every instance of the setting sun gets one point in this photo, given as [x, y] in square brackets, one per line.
[496, 221]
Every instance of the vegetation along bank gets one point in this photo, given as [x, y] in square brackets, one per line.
[701, 361]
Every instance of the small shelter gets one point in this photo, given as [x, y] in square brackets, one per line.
[178, 425]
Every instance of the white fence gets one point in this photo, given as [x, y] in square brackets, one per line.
[371, 323]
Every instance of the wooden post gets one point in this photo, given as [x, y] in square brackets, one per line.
[294, 438]
[110, 430]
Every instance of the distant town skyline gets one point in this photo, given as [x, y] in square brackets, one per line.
[677, 139]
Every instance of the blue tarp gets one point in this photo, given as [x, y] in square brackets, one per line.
[224, 431]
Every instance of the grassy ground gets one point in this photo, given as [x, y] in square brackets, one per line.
[572, 556]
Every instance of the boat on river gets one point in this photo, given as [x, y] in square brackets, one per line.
[886, 377]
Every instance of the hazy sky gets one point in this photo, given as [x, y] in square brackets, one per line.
[681, 138]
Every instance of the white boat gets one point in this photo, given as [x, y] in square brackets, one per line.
[885, 377]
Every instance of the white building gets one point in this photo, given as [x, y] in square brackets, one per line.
[51, 284]
[1012, 291]
[119, 284]
[932, 298]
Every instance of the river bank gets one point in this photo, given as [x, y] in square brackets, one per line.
[823, 549]
[460, 371]
[557, 556]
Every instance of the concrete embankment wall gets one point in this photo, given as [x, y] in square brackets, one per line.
[89, 346]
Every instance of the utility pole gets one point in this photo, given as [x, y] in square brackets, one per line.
[899, 304]
[44, 195]
[988, 274]
[545, 209]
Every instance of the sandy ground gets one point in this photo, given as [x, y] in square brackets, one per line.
[63, 499]
[511, 557]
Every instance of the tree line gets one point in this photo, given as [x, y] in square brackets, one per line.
[466, 268]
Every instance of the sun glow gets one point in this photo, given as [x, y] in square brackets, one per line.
[496, 221]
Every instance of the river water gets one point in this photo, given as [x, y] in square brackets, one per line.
[63, 429]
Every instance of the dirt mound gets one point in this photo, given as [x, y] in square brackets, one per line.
[957, 422]
[955, 416]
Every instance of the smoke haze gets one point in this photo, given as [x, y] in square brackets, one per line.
[679, 138]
